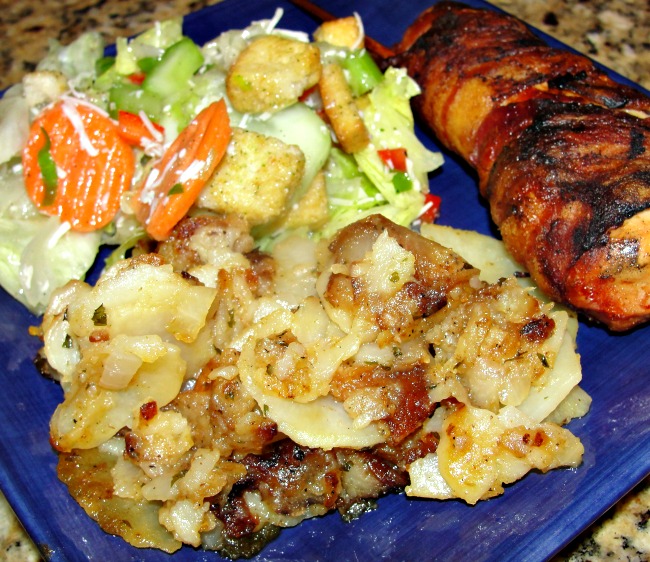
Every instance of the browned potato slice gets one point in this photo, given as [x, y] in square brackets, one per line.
[272, 73]
[343, 32]
[256, 178]
[342, 110]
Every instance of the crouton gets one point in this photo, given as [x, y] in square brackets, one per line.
[272, 73]
[256, 178]
[341, 109]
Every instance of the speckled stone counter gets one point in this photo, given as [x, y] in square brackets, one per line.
[616, 33]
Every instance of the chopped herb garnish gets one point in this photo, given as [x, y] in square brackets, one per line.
[242, 83]
[176, 189]
[544, 360]
[67, 342]
[517, 355]
[178, 476]
[99, 316]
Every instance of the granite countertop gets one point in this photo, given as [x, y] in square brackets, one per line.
[614, 32]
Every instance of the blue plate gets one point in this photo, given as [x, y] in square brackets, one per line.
[531, 521]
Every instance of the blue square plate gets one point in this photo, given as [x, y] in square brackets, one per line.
[531, 521]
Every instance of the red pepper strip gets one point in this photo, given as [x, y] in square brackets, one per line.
[133, 129]
[394, 158]
[308, 92]
[432, 202]
[137, 78]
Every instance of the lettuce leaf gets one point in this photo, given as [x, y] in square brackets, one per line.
[75, 61]
[389, 120]
[149, 44]
[14, 123]
[37, 253]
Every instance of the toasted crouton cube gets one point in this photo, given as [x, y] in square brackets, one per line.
[44, 86]
[341, 109]
[256, 178]
[312, 209]
[272, 73]
[343, 32]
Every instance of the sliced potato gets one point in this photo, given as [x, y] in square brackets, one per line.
[480, 452]
[342, 110]
[272, 73]
[490, 256]
[131, 330]
[255, 179]
[343, 32]
[87, 474]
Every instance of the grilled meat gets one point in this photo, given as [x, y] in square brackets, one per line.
[562, 153]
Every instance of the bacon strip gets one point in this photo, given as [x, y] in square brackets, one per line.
[562, 153]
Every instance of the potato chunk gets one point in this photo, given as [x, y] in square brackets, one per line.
[272, 73]
[132, 330]
[343, 32]
[256, 178]
[342, 110]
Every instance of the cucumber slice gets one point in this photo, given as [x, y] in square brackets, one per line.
[299, 125]
[132, 98]
[177, 65]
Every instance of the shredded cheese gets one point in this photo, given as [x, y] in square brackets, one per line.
[70, 111]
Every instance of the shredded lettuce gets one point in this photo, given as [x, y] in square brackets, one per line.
[389, 120]
[14, 123]
[75, 61]
[354, 194]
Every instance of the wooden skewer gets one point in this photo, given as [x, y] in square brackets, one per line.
[374, 47]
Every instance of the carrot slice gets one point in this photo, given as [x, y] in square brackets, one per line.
[135, 131]
[174, 183]
[91, 164]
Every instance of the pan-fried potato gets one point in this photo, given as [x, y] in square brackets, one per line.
[341, 109]
[343, 32]
[256, 178]
[272, 73]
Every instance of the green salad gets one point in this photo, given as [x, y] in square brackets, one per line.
[100, 150]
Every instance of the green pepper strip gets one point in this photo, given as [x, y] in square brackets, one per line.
[402, 182]
[48, 171]
[364, 74]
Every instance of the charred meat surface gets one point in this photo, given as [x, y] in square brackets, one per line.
[561, 152]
